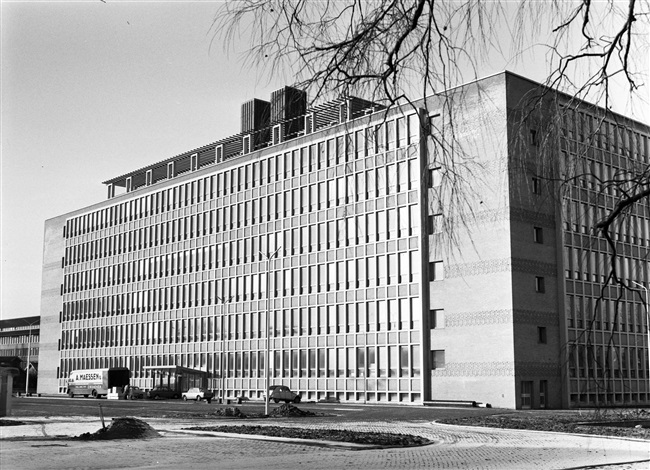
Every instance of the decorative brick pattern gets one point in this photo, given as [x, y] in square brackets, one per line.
[534, 217]
[478, 268]
[533, 267]
[536, 317]
[488, 317]
[537, 369]
[499, 317]
[500, 369]
[491, 216]
[500, 265]
[476, 369]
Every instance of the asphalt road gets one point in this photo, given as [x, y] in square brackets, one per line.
[64, 406]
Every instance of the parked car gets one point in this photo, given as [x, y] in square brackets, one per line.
[162, 391]
[198, 394]
[279, 393]
[134, 393]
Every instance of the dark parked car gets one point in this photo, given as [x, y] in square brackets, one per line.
[134, 393]
[280, 393]
[161, 391]
[198, 394]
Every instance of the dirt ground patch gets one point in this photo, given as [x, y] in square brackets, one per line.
[337, 435]
[122, 428]
[290, 411]
[619, 424]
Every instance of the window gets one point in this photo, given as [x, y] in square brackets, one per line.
[543, 393]
[537, 185]
[526, 394]
[437, 319]
[541, 334]
[436, 271]
[539, 284]
[533, 137]
[435, 223]
[438, 359]
[538, 235]
[435, 177]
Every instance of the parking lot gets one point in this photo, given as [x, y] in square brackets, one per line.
[64, 406]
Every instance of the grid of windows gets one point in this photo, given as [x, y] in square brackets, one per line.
[150, 272]
[606, 336]
[19, 339]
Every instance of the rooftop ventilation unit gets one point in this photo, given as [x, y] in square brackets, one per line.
[255, 116]
[288, 106]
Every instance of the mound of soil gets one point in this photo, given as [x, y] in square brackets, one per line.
[122, 428]
[289, 411]
[338, 435]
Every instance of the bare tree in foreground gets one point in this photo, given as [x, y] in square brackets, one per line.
[391, 50]
[397, 51]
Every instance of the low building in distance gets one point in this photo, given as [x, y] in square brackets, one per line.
[19, 337]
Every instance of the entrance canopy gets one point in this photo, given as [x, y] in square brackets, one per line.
[177, 378]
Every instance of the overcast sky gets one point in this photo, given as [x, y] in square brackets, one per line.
[92, 90]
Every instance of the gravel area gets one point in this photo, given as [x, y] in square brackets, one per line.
[618, 423]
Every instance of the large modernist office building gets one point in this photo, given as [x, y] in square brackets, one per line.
[407, 264]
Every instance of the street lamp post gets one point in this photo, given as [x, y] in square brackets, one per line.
[223, 302]
[29, 350]
[647, 313]
[267, 364]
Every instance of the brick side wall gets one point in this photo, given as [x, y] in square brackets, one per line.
[476, 293]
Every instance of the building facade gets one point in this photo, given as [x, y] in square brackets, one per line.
[19, 337]
[396, 262]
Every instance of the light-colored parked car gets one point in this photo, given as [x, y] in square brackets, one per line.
[198, 394]
[280, 393]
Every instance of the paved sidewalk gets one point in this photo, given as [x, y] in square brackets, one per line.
[39, 444]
